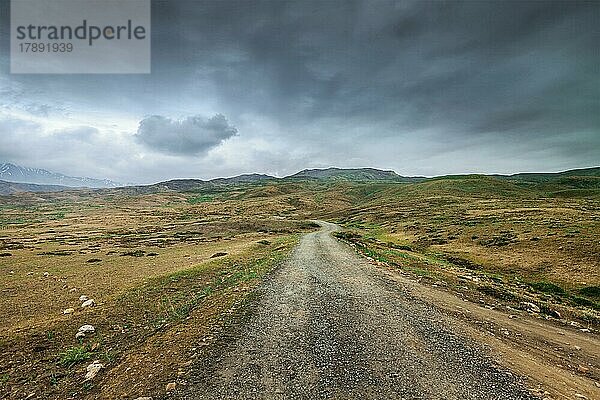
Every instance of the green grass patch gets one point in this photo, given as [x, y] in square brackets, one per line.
[498, 292]
[582, 301]
[547, 287]
[173, 297]
[375, 255]
[58, 216]
[74, 355]
[590, 291]
[205, 198]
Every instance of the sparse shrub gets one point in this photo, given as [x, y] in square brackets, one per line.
[399, 246]
[590, 291]
[547, 287]
[136, 253]
[350, 236]
[499, 240]
[56, 253]
[498, 293]
[462, 262]
[582, 301]
[438, 240]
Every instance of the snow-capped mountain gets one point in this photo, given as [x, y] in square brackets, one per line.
[15, 173]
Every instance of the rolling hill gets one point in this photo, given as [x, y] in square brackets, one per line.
[14, 187]
[352, 174]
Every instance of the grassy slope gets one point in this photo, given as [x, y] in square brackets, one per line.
[125, 323]
[525, 235]
[515, 237]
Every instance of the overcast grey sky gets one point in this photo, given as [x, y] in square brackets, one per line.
[423, 88]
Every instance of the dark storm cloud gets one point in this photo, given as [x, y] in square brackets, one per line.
[192, 135]
[465, 65]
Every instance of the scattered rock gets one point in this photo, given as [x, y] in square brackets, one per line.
[68, 311]
[554, 313]
[87, 329]
[72, 290]
[528, 306]
[582, 369]
[83, 330]
[93, 369]
[88, 303]
[171, 386]
[83, 297]
[219, 254]
[580, 396]
[577, 348]
[46, 274]
[143, 398]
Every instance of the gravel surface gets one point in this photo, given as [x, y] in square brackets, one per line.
[330, 325]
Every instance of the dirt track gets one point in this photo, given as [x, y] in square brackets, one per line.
[329, 325]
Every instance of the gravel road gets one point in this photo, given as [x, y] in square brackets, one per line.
[330, 325]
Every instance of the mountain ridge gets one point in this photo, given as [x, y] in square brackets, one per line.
[10, 172]
[577, 178]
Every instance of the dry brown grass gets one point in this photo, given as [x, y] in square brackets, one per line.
[133, 254]
[144, 260]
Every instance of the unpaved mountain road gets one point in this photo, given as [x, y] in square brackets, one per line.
[330, 325]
